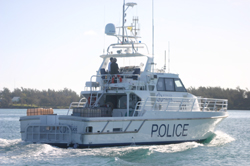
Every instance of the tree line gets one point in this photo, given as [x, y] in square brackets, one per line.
[36, 98]
[238, 99]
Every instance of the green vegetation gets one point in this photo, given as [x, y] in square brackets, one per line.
[238, 99]
[30, 98]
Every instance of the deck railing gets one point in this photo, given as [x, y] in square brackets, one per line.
[178, 104]
[82, 103]
[112, 81]
[182, 104]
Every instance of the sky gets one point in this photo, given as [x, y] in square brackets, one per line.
[56, 44]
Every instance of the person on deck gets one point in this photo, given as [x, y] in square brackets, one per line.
[114, 67]
[109, 66]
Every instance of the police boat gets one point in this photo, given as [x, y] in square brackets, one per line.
[136, 106]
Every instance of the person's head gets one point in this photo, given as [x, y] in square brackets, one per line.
[111, 59]
[114, 60]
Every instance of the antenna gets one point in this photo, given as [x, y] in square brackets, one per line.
[168, 57]
[124, 15]
[153, 32]
[136, 29]
[104, 34]
[165, 62]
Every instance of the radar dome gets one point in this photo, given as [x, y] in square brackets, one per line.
[110, 29]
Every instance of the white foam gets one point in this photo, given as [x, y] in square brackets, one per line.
[173, 148]
[120, 151]
[6, 142]
[221, 138]
[19, 151]
[43, 149]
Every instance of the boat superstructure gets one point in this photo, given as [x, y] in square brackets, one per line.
[136, 106]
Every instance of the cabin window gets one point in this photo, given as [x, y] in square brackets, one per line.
[169, 84]
[89, 129]
[160, 84]
[179, 86]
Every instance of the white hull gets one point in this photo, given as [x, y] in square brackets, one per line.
[188, 126]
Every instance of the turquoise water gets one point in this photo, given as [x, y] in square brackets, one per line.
[229, 146]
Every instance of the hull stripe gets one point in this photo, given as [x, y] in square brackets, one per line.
[64, 145]
[119, 120]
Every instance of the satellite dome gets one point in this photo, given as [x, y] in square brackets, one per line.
[110, 29]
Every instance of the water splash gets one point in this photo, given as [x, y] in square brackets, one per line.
[220, 138]
[8, 143]
[173, 148]
[16, 151]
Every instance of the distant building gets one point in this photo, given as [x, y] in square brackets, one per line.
[15, 99]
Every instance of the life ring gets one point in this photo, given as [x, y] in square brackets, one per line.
[118, 76]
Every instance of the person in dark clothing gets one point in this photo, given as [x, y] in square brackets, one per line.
[114, 67]
[114, 70]
[109, 66]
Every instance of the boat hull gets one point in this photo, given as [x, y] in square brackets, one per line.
[79, 132]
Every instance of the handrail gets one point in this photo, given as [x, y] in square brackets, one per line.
[132, 46]
[187, 104]
[77, 104]
[176, 104]
[138, 104]
[106, 81]
[57, 131]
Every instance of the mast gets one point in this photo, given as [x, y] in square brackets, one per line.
[165, 62]
[153, 32]
[131, 4]
[168, 57]
[123, 13]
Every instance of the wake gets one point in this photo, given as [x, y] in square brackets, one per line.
[219, 138]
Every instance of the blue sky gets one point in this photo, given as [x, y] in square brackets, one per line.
[53, 44]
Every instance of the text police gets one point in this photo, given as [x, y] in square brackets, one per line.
[169, 130]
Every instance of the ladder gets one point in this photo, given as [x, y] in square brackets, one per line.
[94, 99]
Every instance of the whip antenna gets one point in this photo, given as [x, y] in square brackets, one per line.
[168, 57]
[165, 62]
[153, 32]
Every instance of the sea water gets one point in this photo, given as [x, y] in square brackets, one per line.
[228, 146]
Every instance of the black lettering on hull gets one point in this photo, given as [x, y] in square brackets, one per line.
[164, 130]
